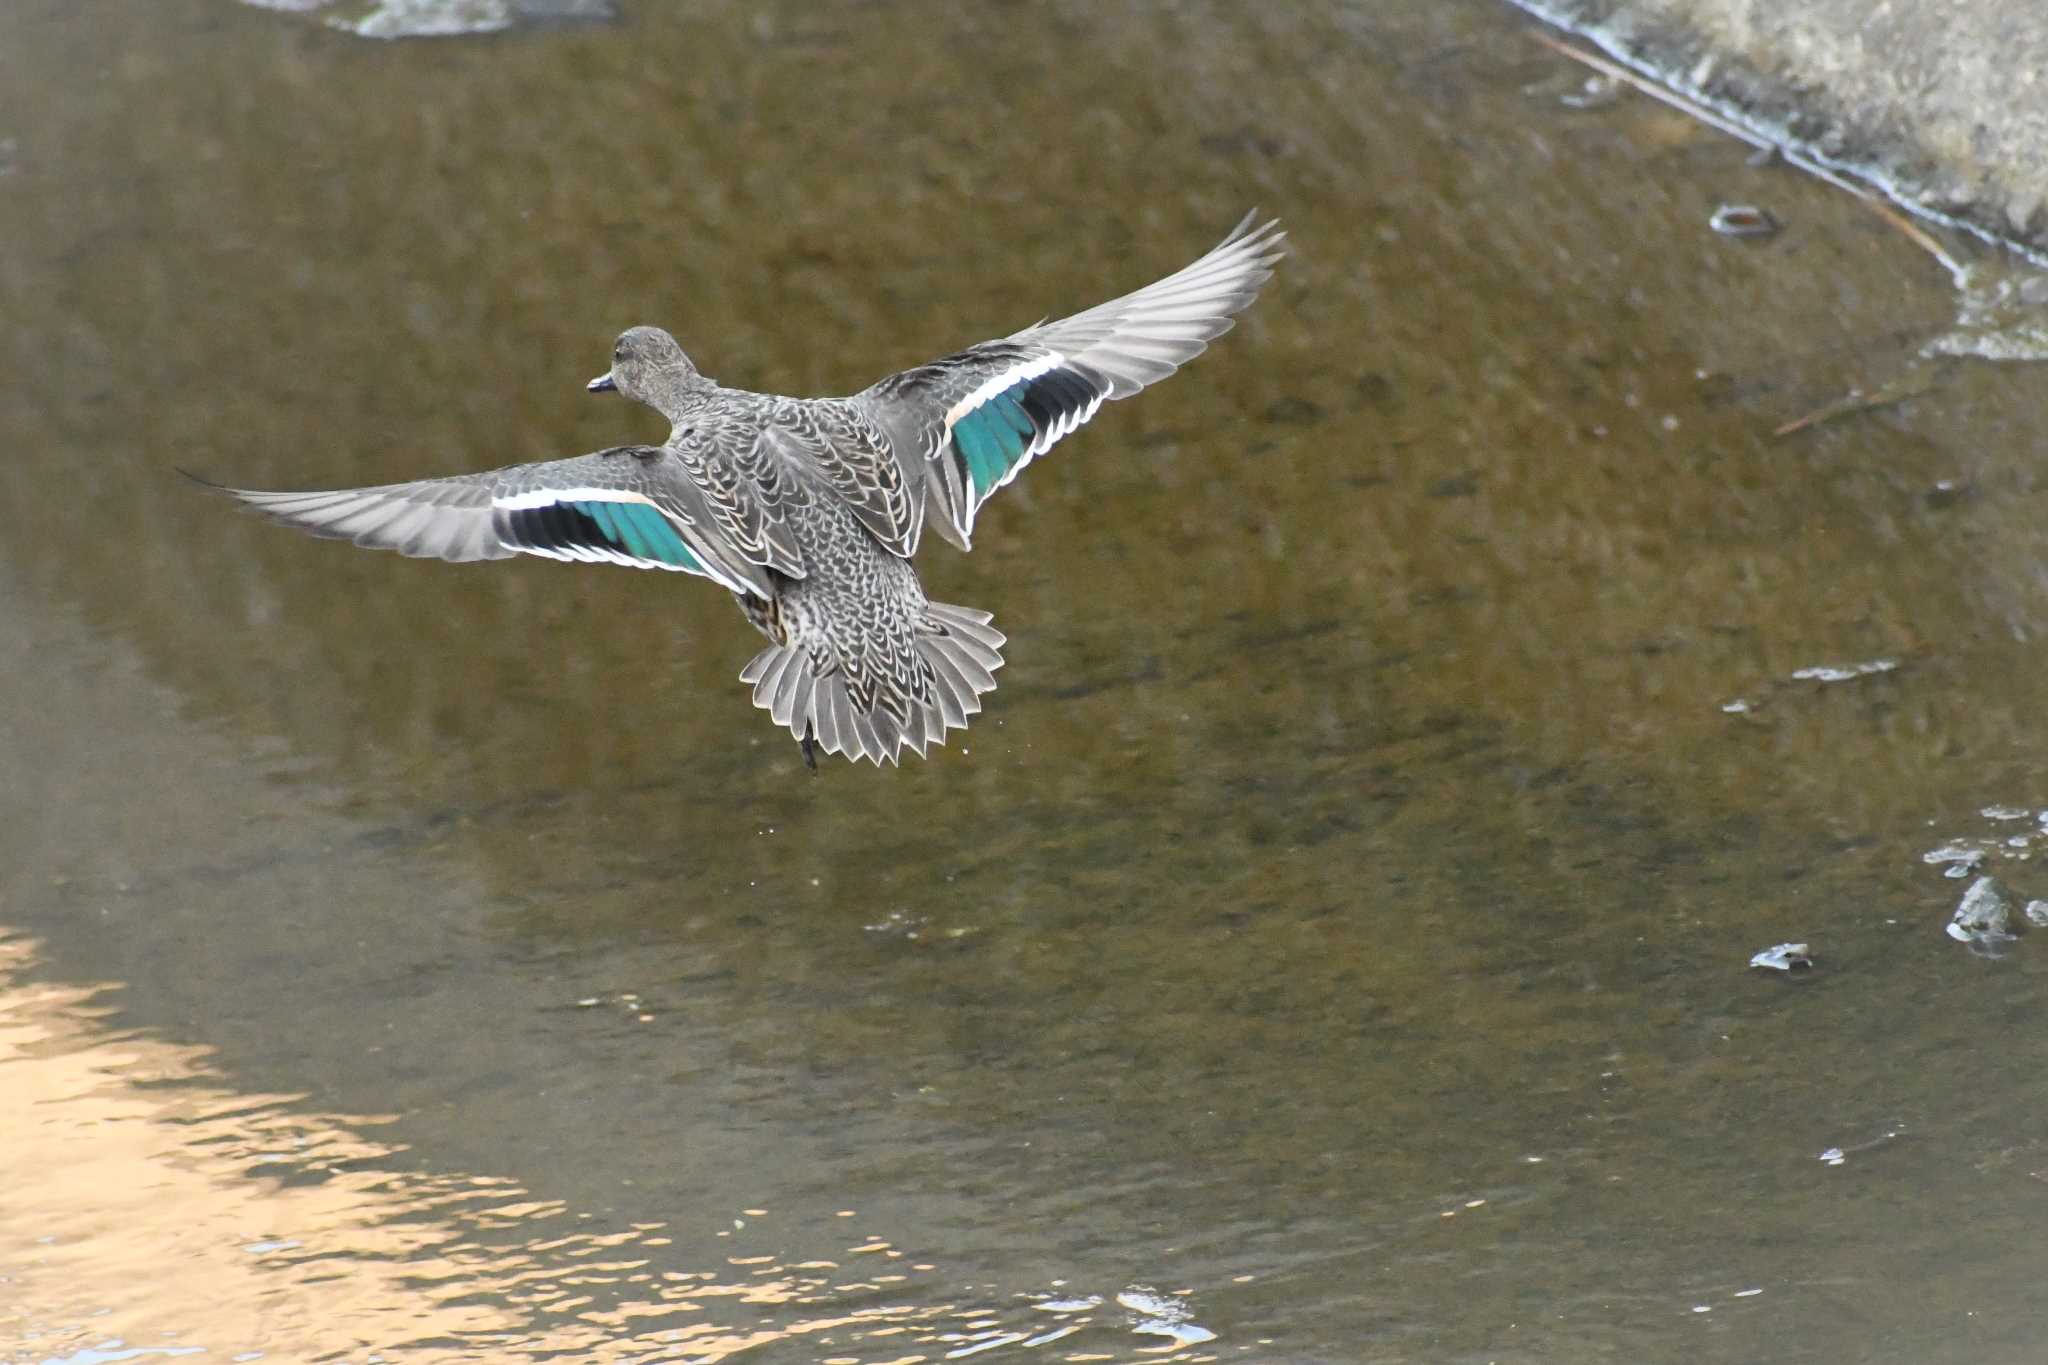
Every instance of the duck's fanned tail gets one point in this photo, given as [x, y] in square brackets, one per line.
[809, 692]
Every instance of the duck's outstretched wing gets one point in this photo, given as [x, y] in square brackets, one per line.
[972, 421]
[628, 505]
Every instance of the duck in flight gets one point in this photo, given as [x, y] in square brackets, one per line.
[809, 510]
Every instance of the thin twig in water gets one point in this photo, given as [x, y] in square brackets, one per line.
[1849, 402]
[1917, 235]
[1911, 384]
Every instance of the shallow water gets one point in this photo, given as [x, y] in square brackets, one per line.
[1330, 944]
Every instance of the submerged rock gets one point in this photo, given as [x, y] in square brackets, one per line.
[1985, 916]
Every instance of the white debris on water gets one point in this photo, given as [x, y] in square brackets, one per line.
[1595, 92]
[1783, 958]
[1989, 916]
[1965, 854]
[1963, 857]
[1742, 220]
[429, 19]
[1166, 1315]
[1999, 315]
[1158, 1313]
[386, 19]
[1833, 673]
[1835, 1156]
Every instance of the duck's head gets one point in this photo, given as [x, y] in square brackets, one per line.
[648, 367]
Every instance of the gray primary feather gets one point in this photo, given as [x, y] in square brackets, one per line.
[1066, 371]
[809, 510]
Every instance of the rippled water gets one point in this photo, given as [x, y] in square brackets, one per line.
[1332, 942]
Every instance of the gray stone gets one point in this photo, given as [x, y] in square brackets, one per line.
[1985, 916]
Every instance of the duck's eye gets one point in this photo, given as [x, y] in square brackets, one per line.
[619, 352]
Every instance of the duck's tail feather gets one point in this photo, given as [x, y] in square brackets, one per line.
[807, 692]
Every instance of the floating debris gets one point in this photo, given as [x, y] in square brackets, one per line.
[1999, 315]
[1910, 384]
[1165, 1316]
[1785, 957]
[1742, 220]
[1596, 93]
[1772, 690]
[441, 18]
[1835, 1156]
[1966, 855]
[1963, 856]
[1984, 918]
[1946, 493]
[1834, 673]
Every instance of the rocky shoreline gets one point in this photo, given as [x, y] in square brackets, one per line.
[1943, 107]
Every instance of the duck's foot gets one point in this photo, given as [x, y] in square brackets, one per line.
[810, 746]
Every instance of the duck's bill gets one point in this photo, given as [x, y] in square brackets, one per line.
[602, 384]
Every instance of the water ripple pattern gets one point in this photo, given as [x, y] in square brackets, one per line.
[269, 1232]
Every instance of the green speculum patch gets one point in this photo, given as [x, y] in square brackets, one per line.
[993, 438]
[640, 530]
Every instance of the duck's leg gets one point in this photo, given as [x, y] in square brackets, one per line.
[810, 745]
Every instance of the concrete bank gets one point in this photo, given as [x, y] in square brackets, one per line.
[1942, 104]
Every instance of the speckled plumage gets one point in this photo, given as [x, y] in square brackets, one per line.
[809, 510]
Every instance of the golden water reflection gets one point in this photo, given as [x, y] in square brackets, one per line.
[170, 1215]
